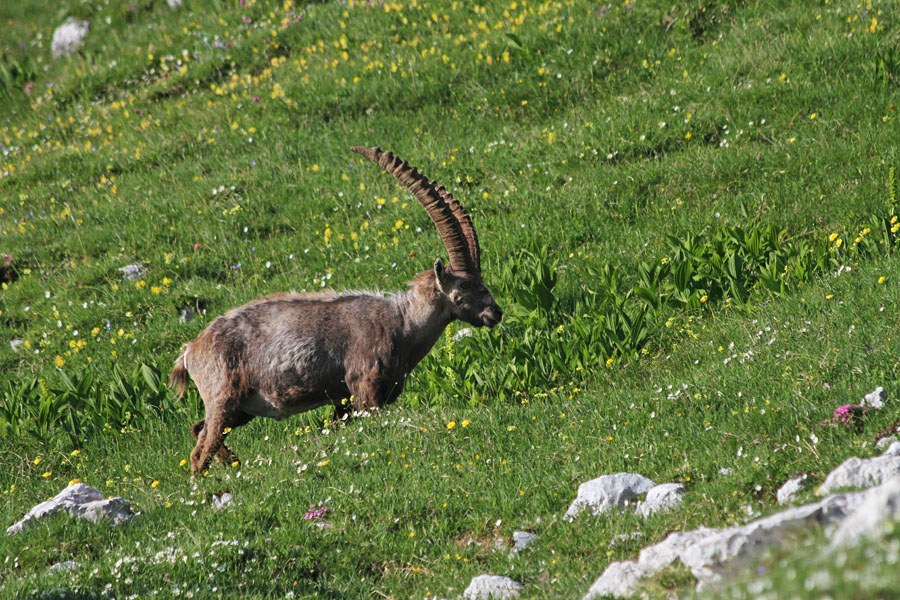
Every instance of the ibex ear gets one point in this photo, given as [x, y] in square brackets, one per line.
[439, 273]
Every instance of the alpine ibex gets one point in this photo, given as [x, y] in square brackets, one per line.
[288, 353]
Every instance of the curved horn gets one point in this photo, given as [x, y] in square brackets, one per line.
[448, 215]
[465, 223]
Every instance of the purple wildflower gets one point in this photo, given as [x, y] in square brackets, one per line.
[849, 415]
[315, 513]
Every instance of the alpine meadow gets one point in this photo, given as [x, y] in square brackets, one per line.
[687, 216]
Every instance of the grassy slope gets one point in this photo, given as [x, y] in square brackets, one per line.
[112, 163]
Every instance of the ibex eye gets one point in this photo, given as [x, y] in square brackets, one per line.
[466, 285]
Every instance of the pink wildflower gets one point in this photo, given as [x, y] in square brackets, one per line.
[849, 415]
[315, 513]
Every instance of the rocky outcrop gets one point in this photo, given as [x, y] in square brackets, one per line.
[79, 500]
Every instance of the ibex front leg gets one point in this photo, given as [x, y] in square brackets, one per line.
[367, 390]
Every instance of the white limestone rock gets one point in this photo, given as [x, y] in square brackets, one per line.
[173, 4]
[663, 497]
[619, 580]
[133, 272]
[622, 579]
[711, 554]
[221, 501]
[893, 449]
[522, 539]
[787, 492]
[880, 509]
[885, 442]
[69, 36]
[875, 399]
[863, 472]
[607, 492]
[492, 587]
[714, 556]
[79, 500]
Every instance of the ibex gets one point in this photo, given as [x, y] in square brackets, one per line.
[288, 353]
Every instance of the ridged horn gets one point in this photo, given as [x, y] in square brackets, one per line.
[448, 215]
[465, 224]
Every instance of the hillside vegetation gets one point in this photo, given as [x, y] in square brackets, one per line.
[688, 215]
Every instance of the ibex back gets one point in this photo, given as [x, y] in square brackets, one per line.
[288, 353]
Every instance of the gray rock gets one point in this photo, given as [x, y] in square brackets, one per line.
[884, 442]
[875, 399]
[133, 272]
[663, 497]
[495, 587]
[220, 502]
[79, 500]
[710, 554]
[607, 492]
[863, 472]
[787, 492]
[114, 509]
[69, 36]
[893, 449]
[880, 508]
[522, 539]
[714, 556]
[661, 555]
[63, 567]
[173, 4]
[621, 579]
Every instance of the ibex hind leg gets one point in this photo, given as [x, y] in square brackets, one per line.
[224, 455]
[210, 434]
[209, 441]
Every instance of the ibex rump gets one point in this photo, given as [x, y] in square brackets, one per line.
[289, 353]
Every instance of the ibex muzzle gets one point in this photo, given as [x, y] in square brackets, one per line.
[288, 353]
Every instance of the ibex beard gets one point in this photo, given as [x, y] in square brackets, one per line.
[288, 353]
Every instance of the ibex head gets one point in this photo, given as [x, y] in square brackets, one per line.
[460, 282]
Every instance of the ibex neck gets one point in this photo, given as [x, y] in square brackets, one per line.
[425, 312]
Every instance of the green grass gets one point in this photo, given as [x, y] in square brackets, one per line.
[579, 139]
